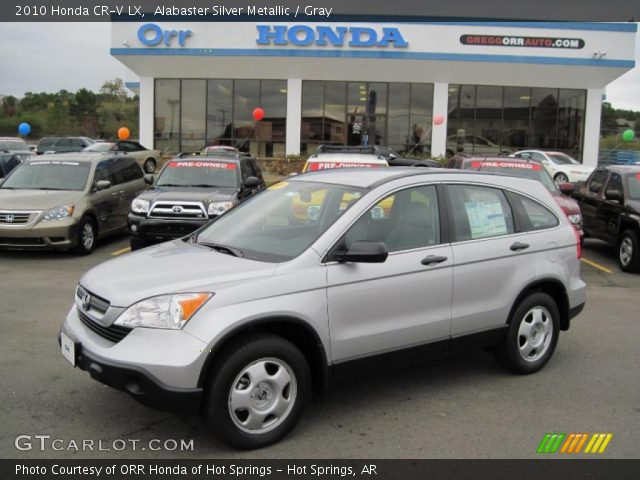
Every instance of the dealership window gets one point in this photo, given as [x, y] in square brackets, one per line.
[167, 115]
[191, 114]
[366, 113]
[500, 120]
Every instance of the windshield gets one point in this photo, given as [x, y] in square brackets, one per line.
[517, 169]
[49, 175]
[13, 145]
[634, 186]
[281, 222]
[189, 173]
[99, 147]
[562, 159]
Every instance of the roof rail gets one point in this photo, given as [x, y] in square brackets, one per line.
[362, 149]
[218, 154]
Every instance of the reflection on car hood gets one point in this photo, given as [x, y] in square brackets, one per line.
[189, 194]
[171, 267]
[568, 205]
[36, 199]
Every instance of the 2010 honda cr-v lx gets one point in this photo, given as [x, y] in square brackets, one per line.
[248, 315]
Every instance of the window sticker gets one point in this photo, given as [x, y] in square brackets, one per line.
[191, 164]
[486, 219]
[315, 166]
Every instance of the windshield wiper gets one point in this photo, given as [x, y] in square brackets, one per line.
[202, 185]
[236, 252]
[170, 185]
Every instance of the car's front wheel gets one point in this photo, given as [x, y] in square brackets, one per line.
[149, 165]
[561, 178]
[629, 251]
[257, 392]
[532, 336]
[85, 236]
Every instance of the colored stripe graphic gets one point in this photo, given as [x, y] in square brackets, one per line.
[572, 443]
[551, 442]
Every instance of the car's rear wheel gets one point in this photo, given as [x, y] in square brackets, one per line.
[86, 236]
[629, 251]
[532, 336]
[257, 392]
[149, 165]
[561, 178]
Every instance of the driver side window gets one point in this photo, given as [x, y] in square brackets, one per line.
[404, 220]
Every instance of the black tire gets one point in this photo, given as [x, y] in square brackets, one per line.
[629, 251]
[137, 243]
[149, 165]
[509, 353]
[226, 375]
[86, 236]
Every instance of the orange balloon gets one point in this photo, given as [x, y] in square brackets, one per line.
[123, 133]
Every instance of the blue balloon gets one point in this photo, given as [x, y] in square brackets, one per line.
[24, 128]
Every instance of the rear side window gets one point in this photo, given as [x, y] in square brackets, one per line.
[597, 181]
[531, 215]
[126, 170]
[615, 183]
[479, 212]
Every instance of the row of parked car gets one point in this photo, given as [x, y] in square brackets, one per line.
[192, 189]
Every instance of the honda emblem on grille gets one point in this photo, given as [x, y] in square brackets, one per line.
[86, 301]
[177, 209]
[9, 218]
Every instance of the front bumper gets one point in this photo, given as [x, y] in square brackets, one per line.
[158, 368]
[153, 230]
[58, 234]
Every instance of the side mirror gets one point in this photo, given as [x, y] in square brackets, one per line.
[103, 184]
[615, 195]
[363, 252]
[392, 156]
[567, 188]
[252, 182]
[149, 178]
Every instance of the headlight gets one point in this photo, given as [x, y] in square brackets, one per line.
[165, 311]
[140, 206]
[218, 208]
[575, 218]
[59, 213]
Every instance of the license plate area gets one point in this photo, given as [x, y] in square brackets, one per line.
[68, 347]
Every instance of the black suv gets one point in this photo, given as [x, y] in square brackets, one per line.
[610, 204]
[62, 144]
[189, 191]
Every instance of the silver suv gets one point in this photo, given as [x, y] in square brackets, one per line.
[247, 316]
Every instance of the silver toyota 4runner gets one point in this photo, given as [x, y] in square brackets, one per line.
[322, 273]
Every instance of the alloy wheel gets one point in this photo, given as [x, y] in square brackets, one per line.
[535, 333]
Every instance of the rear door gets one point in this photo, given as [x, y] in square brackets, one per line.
[491, 259]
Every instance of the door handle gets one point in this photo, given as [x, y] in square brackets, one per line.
[432, 260]
[519, 246]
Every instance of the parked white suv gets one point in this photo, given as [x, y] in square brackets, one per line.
[248, 315]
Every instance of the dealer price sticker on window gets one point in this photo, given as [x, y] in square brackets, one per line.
[486, 219]
[68, 348]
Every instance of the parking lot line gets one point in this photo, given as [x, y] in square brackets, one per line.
[121, 251]
[593, 264]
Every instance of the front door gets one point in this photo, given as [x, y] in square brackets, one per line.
[403, 302]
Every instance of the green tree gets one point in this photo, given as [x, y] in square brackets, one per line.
[114, 89]
[9, 105]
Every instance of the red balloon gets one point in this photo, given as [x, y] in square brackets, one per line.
[258, 114]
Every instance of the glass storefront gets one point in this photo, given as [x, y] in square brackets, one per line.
[492, 120]
[366, 113]
[191, 114]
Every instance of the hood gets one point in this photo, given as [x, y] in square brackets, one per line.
[171, 267]
[568, 204]
[36, 199]
[187, 194]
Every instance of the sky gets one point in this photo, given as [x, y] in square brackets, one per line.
[49, 57]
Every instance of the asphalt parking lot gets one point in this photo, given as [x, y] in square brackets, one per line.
[462, 406]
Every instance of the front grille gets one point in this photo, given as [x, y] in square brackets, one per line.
[14, 218]
[114, 333]
[95, 303]
[170, 230]
[22, 241]
[178, 210]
